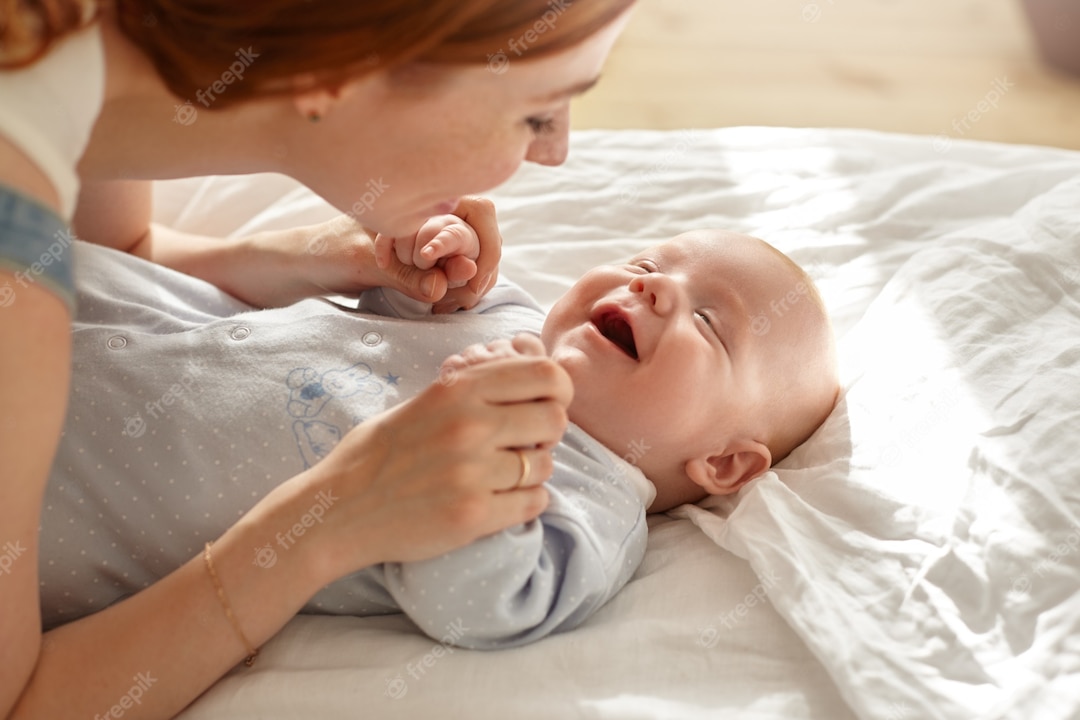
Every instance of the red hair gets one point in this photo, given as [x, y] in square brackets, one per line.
[28, 28]
[191, 42]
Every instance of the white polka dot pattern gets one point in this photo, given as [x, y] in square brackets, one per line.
[182, 417]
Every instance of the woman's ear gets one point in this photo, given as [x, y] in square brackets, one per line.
[314, 104]
[726, 472]
[313, 101]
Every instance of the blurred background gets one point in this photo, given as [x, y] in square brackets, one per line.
[961, 68]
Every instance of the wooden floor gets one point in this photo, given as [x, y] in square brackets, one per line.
[961, 68]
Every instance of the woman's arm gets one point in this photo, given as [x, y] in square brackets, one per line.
[412, 483]
[172, 640]
[174, 635]
[274, 269]
[34, 379]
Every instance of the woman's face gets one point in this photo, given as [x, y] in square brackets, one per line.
[396, 148]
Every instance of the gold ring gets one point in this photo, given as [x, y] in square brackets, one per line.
[526, 468]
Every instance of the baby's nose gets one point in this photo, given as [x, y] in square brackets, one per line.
[656, 290]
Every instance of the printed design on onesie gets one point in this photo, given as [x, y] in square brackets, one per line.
[310, 392]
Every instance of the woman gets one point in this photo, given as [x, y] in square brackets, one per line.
[392, 112]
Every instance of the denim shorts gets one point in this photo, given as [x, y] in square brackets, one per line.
[35, 246]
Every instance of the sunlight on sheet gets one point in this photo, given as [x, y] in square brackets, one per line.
[782, 175]
[912, 412]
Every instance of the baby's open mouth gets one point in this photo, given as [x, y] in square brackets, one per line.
[615, 327]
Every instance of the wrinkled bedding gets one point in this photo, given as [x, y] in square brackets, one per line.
[919, 557]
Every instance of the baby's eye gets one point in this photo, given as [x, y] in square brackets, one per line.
[647, 265]
[712, 327]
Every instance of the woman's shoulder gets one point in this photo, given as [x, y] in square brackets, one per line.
[49, 111]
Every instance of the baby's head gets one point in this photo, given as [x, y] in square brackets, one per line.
[707, 358]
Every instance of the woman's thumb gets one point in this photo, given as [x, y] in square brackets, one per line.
[424, 285]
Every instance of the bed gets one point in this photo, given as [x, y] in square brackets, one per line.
[918, 557]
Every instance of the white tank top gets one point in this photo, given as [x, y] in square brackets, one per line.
[48, 109]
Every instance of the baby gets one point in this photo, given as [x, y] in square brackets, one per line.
[715, 349]
[696, 365]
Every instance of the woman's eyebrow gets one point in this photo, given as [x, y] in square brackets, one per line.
[576, 89]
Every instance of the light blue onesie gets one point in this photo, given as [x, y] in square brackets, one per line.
[187, 407]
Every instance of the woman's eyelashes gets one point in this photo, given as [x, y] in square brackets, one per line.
[540, 125]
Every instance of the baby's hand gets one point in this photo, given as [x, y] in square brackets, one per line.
[444, 240]
[522, 344]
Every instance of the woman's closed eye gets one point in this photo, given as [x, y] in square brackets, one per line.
[540, 125]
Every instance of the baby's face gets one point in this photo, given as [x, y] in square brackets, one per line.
[669, 355]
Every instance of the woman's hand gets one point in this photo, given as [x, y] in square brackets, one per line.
[277, 268]
[467, 246]
[444, 241]
[339, 257]
[442, 470]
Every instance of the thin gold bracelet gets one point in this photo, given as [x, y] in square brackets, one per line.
[252, 651]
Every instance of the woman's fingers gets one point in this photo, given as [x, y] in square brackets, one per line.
[519, 379]
[529, 468]
[479, 213]
[514, 508]
[404, 248]
[383, 246]
[459, 270]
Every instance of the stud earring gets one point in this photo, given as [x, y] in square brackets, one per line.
[314, 117]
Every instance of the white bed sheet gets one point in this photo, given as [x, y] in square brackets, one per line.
[920, 555]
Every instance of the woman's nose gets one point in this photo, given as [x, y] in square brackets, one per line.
[551, 146]
[657, 290]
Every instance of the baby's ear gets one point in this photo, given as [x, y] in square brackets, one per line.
[725, 473]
